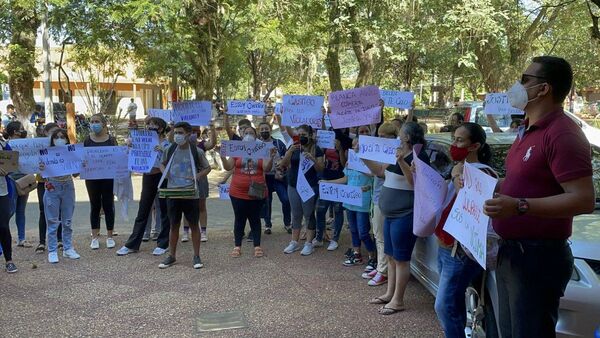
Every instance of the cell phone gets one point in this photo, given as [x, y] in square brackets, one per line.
[296, 139]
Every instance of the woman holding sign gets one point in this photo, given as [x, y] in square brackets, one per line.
[396, 202]
[7, 191]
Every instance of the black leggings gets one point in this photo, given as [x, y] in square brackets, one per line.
[41, 189]
[5, 237]
[246, 210]
[101, 196]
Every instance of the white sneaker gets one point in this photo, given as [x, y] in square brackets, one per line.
[308, 249]
[317, 244]
[110, 243]
[292, 247]
[124, 251]
[53, 257]
[332, 246]
[95, 244]
[185, 238]
[159, 251]
[203, 236]
[71, 253]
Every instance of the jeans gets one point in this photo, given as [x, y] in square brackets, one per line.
[20, 205]
[6, 207]
[377, 221]
[303, 210]
[280, 188]
[338, 210]
[101, 196]
[157, 224]
[42, 226]
[246, 210]
[59, 205]
[456, 273]
[532, 277]
[360, 228]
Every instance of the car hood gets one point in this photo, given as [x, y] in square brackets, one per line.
[586, 236]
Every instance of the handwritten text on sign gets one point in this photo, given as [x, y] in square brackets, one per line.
[29, 152]
[326, 139]
[467, 222]
[245, 108]
[246, 149]
[378, 149]
[498, 104]
[355, 163]
[62, 160]
[142, 154]
[224, 192]
[302, 187]
[302, 109]
[105, 163]
[196, 113]
[340, 193]
[396, 99]
[354, 107]
[165, 114]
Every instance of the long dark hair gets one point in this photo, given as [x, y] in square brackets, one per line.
[160, 123]
[477, 135]
[11, 128]
[311, 142]
[55, 135]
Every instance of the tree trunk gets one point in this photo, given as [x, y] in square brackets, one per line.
[332, 61]
[255, 64]
[363, 52]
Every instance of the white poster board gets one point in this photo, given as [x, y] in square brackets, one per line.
[340, 193]
[196, 113]
[61, 160]
[142, 154]
[498, 104]
[246, 149]
[378, 149]
[235, 107]
[109, 162]
[355, 163]
[165, 114]
[29, 152]
[302, 109]
[397, 99]
[326, 139]
[224, 191]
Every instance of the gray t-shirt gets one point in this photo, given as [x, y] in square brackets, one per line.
[180, 174]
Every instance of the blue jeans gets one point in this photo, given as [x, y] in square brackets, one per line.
[456, 273]
[360, 226]
[280, 188]
[59, 205]
[20, 205]
[338, 211]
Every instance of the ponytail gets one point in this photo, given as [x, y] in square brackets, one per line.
[484, 155]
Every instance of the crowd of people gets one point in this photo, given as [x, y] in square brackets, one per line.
[547, 182]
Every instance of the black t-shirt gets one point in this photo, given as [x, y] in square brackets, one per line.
[311, 174]
[88, 142]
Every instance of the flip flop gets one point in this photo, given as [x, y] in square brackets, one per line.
[237, 252]
[258, 252]
[386, 311]
[378, 300]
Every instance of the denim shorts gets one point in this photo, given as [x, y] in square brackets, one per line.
[398, 237]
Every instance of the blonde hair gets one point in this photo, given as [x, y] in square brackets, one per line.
[388, 128]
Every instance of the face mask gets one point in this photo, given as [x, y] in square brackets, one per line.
[458, 154]
[265, 135]
[303, 140]
[517, 95]
[352, 136]
[96, 127]
[249, 138]
[24, 134]
[179, 139]
[153, 129]
[60, 142]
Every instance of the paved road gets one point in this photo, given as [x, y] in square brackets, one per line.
[278, 295]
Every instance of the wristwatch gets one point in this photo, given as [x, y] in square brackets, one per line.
[522, 206]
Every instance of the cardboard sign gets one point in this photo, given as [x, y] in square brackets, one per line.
[302, 187]
[430, 194]
[326, 139]
[196, 113]
[142, 154]
[246, 149]
[498, 104]
[62, 160]
[235, 107]
[467, 222]
[340, 193]
[355, 163]
[105, 163]
[302, 109]
[29, 152]
[397, 99]
[224, 191]
[378, 149]
[165, 114]
[9, 161]
[355, 107]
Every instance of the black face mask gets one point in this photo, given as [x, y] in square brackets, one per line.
[24, 134]
[265, 135]
[303, 140]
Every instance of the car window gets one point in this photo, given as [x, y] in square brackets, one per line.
[439, 158]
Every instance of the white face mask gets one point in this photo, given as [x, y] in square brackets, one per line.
[179, 139]
[249, 138]
[60, 142]
[517, 95]
[352, 136]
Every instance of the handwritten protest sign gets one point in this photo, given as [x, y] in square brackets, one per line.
[105, 163]
[61, 160]
[326, 139]
[397, 99]
[235, 107]
[277, 109]
[355, 163]
[165, 114]
[142, 154]
[29, 152]
[430, 193]
[302, 109]
[340, 193]
[327, 120]
[224, 191]
[354, 107]
[196, 113]
[467, 222]
[9, 161]
[246, 149]
[498, 104]
[302, 187]
[378, 149]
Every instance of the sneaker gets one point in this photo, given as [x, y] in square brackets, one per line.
[40, 249]
[11, 268]
[308, 249]
[292, 247]
[288, 229]
[167, 262]
[159, 251]
[197, 262]
[24, 244]
[371, 265]
[369, 275]
[95, 244]
[203, 236]
[154, 236]
[145, 239]
[53, 257]
[124, 251]
[185, 238]
[71, 253]
[333, 245]
[110, 243]
[268, 231]
[379, 279]
[354, 259]
[317, 244]
[349, 253]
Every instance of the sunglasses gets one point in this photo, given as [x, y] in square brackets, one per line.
[525, 76]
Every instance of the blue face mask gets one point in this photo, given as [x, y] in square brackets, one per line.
[96, 127]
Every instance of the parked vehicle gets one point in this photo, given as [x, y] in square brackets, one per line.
[473, 112]
[579, 312]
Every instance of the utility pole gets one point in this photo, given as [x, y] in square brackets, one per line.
[47, 76]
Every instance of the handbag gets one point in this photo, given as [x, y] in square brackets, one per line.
[26, 184]
[257, 190]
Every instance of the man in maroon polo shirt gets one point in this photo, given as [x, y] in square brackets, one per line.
[548, 181]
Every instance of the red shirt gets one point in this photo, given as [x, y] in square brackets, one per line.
[552, 151]
[246, 170]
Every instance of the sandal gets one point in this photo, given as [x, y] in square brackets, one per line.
[258, 252]
[40, 248]
[386, 311]
[237, 252]
[378, 300]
